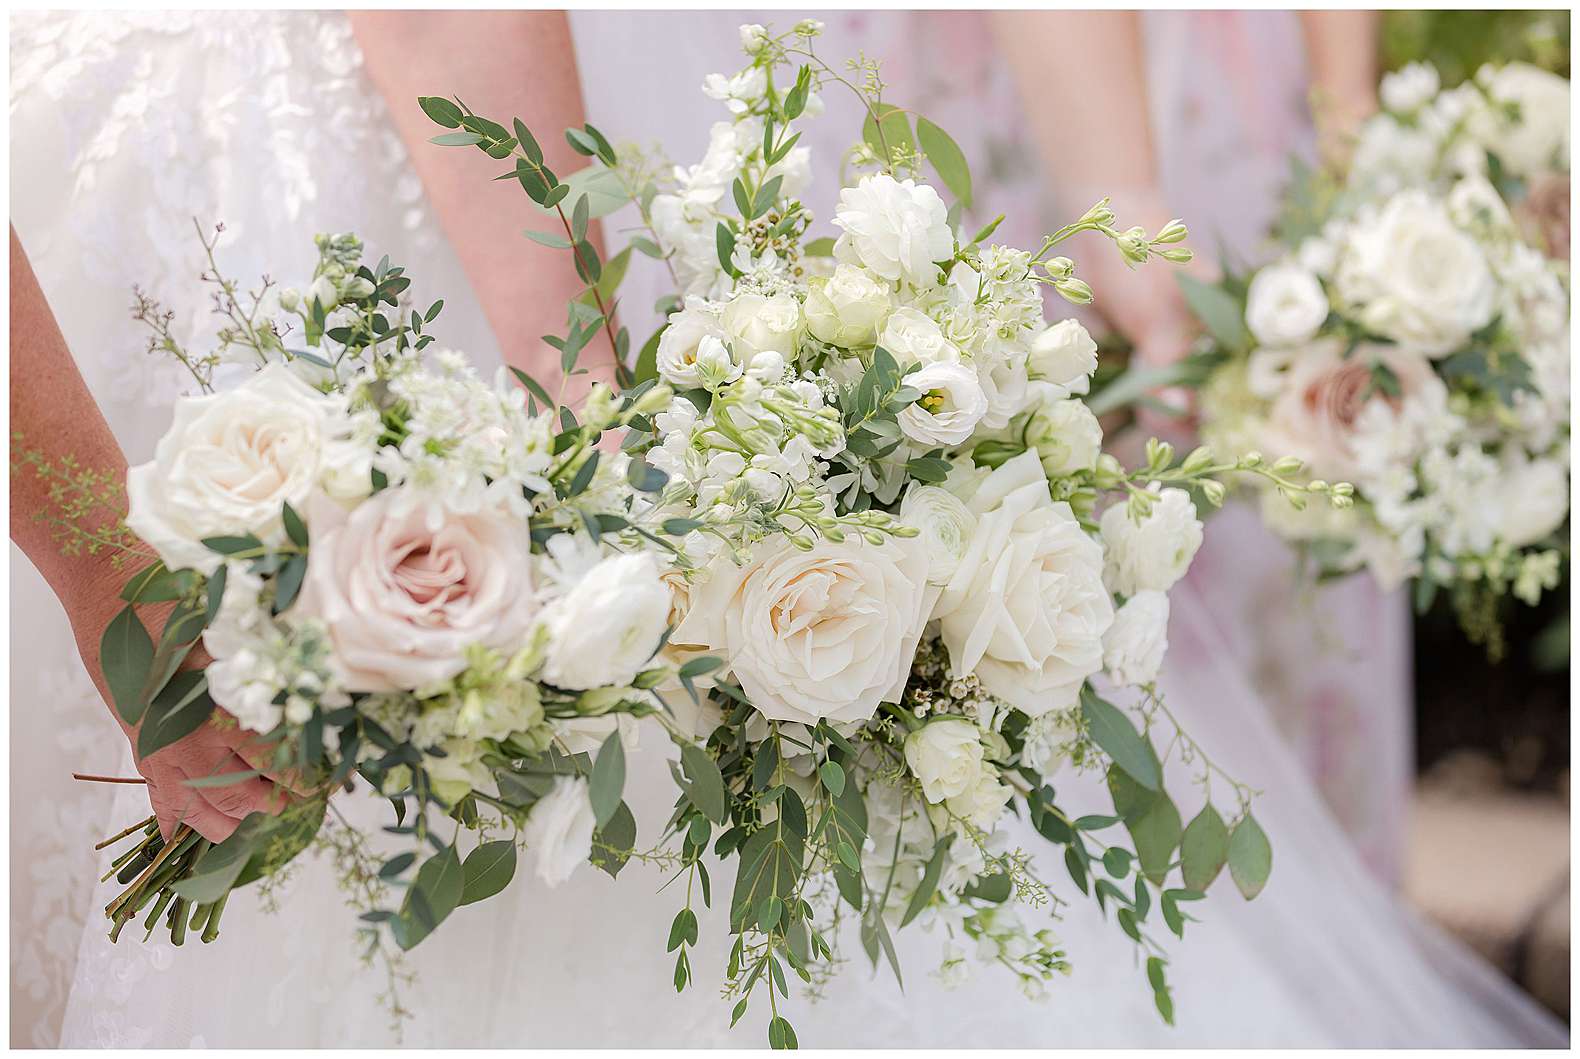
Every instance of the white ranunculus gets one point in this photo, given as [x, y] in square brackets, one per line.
[1026, 609]
[945, 756]
[845, 309]
[231, 461]
[759, 324]
[946, 526]
[825, 633]
[1134, 647]
[691, 350]
[1408, 89]
[605, 629]
[1066, 435]
[560, 828]
[1065, 355]
[1155, 552]
[896, 228]
[402, 598]
[913, 337]
[1409, 274]
[1533, 499]
[1537, 140]
[951, 405]
[1285, 305]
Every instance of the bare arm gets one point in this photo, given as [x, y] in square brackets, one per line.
[502, 63]
[1341, 52]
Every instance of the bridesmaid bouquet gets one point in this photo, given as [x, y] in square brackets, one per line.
[1414, 340]
[908, 586]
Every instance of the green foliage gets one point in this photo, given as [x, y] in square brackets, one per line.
[1112, 731]
[487, 870]
[126, 652]
[434, 894]
[1219, 311]
[1204, 848]
[1250, 857]
[947, 158]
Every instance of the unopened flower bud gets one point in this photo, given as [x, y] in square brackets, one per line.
[1288, 465]
[1133, 244]
[1214, 491]
[290, 298]
[1059, 268]
[1180, 255]
[1172, 232]
[1074, 291]
[323, 292]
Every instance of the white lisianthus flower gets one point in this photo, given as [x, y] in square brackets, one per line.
[1408, 89]
[1134, 646]
[982, 804]
[1155, 552]
[1026, 609]
[1409, 274]
[607, 627]
[825, 633]
[951, 405]
[945, 756]
[1533, 499]
[1285, 305]
[758, 324]
[403, 597]
[230, 462]
[1527, 125]
[913, 337]
[1066, 436]
[846, 308]
[560, 828]
[680, 347]
[896, 228]
[1065, 355]
[946, 526]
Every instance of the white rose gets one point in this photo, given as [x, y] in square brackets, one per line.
[1409, 274]
[402, 599]
[606, 628]
[982, 804]
[1533, 499]
[951, 405]
[1133, 649]
[1065, 355]
[1026, 609]
[913, 337]
[1285, 305]
[691, 350]
[1009, 391]
[825, 633]
[1408, 89]
[231, 461]
[1066, 436]
[1535, 141]
[896, 228]
[846, 308]
[758, 324]
[560, 828]
[1155, 552]
[946, 526]
[945, 756]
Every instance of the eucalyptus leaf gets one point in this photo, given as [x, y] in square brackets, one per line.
[608, 779]
[1250, 857]
[1204, 848]
[1113, 733]
[487, 870]
[947, 158]
[126, 652]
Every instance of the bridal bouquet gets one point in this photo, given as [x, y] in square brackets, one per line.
[907, 586]
[1414, 340]
[400, 571]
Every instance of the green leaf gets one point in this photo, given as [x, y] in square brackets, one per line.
[534, 388]
[126, 652]
[602, 188]
[155, 584]
[683, 931]
[947, 158]
[833, 777]
[929, 883]
[456, 139]
[434, 894]
[781, 1035]
[295, 528]
[608, 779]
[1156, 833]
[823, 247]
[770, 862]
[994, 888]
[225, 779]
[1112, 731]
[896, 133]
[487, 870]
[528, 142]
[707, 785]
[441, 110]
[1250, 857]
[217, 871]
[289, 583]
[232, 545]
[1218, 311]
[176, 712]
[1204, 848]
[552, 240]
[725, 241]
[614, 842]
[647, 359]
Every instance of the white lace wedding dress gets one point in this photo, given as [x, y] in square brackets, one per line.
[126, 126]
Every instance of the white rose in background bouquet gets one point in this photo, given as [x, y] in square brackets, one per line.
[901, 566]
[410, 579]
[1414, 341]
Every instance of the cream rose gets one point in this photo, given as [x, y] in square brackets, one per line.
[758, 324]
[1535, 141]
[1152, 553]
[1066, 436]
[1533, 499]
[1065, 355]
[951, 405]
[402, 600]
[1285, 305]
[945, 756]
[231, 461]
[845, 309]
[1026, 609]
[1135, 644]
[896, 228]
[606, 629]
[825, 633]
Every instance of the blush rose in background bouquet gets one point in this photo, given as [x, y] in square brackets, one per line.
[1413, 340]
[907, 586]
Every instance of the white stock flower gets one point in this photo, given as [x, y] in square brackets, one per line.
[1026, 609]
[913, 337]
[739, 92]
[825, 633]
[1537, 139]
[951, 405]
[1410, 88]
[1134, 646]
[896, 228]
[946, 526]
[1066, 437]
[231, 460]
[1155, 552]
[758, 324]
[1285, 305]
[560, 828]
[846, 308]
[945, 756]
[607, 627]
[1065, 355]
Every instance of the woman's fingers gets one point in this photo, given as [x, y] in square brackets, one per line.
[259, 755]
[174, 803]
[239, 798]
